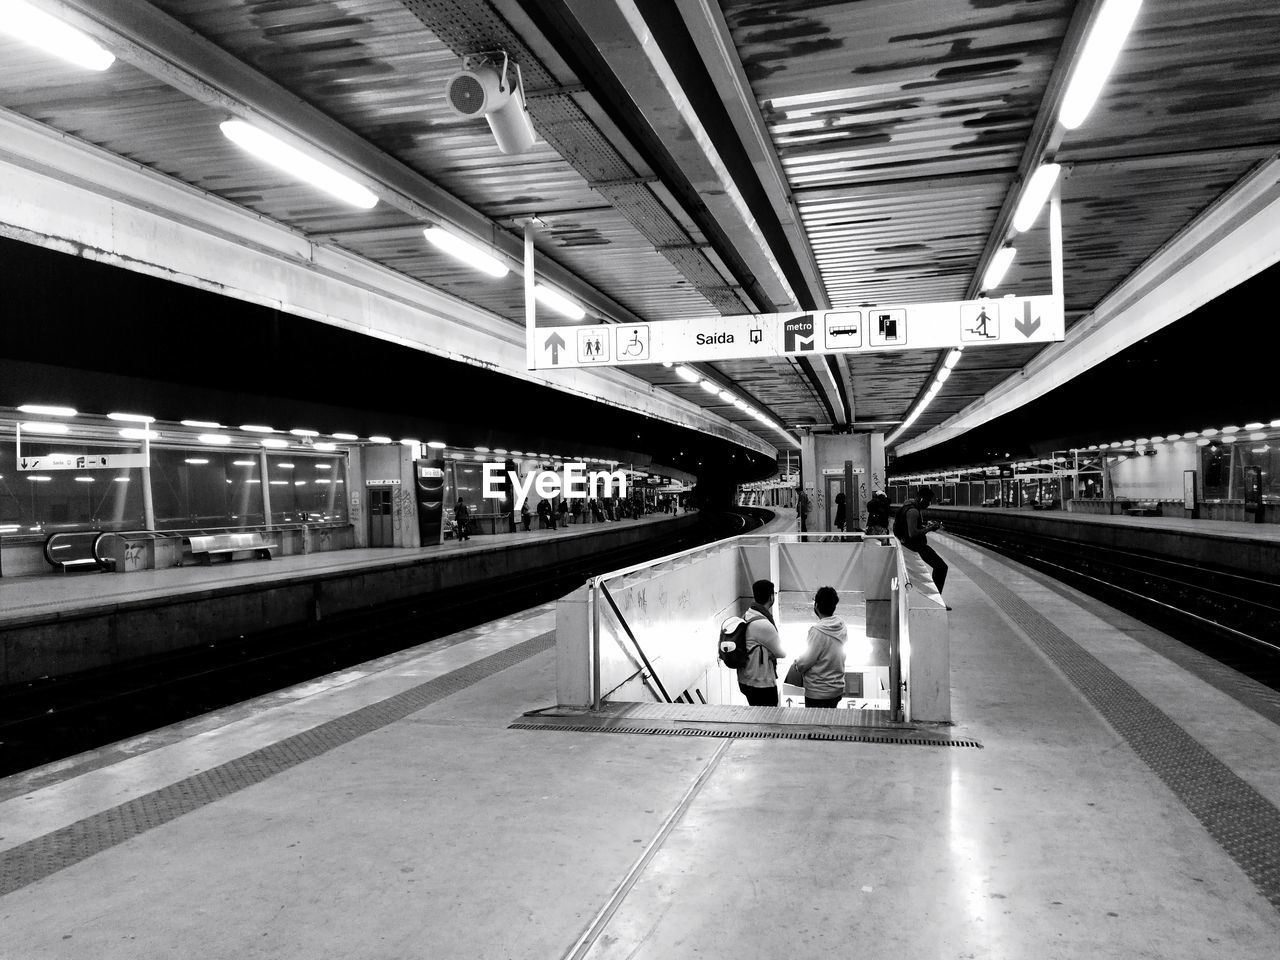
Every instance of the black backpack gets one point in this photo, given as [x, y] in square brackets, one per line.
[732, 645]
[900, 520]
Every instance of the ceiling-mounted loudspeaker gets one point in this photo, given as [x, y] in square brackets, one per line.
[489, 85]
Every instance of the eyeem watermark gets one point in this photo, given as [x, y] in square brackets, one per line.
[573, 482]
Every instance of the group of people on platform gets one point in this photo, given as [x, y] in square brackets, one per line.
[909, 526]
[577, 510]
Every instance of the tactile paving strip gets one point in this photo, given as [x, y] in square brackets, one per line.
[1243, 822]
[36, 859]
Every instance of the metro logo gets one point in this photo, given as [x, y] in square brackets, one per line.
[797, 334]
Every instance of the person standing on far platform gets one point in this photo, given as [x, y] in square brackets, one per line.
[822, 662]
[462, 514]
[840, 513]
[524, 516]
[758, 677]
[911, 529]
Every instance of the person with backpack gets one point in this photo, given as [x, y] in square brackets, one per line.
[758, 648]
[822, 662]
[911, 529]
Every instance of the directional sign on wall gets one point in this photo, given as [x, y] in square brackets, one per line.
[910, 326]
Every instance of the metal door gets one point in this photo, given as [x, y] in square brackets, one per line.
[381, 530]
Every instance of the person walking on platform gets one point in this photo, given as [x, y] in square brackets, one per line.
[911, 529]
[878, 513]
[563, 510]
[524, 516]
[802, 507]
[462, 514]
[822, 662]
[840, 513]
[758, 677]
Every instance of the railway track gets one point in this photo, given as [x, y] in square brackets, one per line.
[58, 717]
[1230, 615]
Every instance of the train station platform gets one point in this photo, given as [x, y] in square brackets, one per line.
[1222, 543]
[60, 623]
[1123, 803]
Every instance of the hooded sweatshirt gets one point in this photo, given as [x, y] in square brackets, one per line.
[823, 660]
[761, 669]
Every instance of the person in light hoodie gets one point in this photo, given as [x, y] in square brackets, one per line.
[823, 659]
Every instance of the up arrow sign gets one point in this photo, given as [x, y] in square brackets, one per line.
[555, 343]
[1026, 326]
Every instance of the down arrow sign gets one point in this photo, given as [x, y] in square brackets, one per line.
[1026, 326]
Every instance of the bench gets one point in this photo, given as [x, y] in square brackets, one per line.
[75, 551]
[1143, 508]
[228, 545]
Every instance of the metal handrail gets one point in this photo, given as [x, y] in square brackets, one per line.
[622, 622]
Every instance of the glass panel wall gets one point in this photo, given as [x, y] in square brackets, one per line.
[190, 489]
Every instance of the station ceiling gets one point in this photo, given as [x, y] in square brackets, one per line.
[701, 158]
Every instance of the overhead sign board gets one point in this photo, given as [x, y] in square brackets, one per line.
[913, 326]
[75, 461]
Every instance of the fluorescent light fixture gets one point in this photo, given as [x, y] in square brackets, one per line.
[486, 450]
[1172, 437]
[726, 396]
[558, 302]
[999, 266]
[436, 444]
[410, 442]
[943, 374]
[1034, 195]
[244, 463]
[466, 251]
[1258, 435]
[84, 479]
[285, 466]
[1096, 60]
[1209, 432]
[214, 439]
[1275, 423]
[1190, 435]
[1141, 441]
[196, 461]
[1202, 442]
[275, 444]
[41, 426]
[323, 466]
[206, 424]
[305, 433]
[668, 364]
[326, 447]
[1228, 439]
[710, 387]
[299, 483]
[1230, 429]
[323, 480]
[138, 433]
[278, 483]
[345, 436]
[685, 373]
[294, 162]
[40, 410]
[257, 428]
[131, 417]
[499, 451]
[952, 359]
[39, 478]
[1254, 426]
[517, 453]
[48, 33]
[119, 479]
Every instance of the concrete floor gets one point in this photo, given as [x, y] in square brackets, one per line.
[447, 835]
